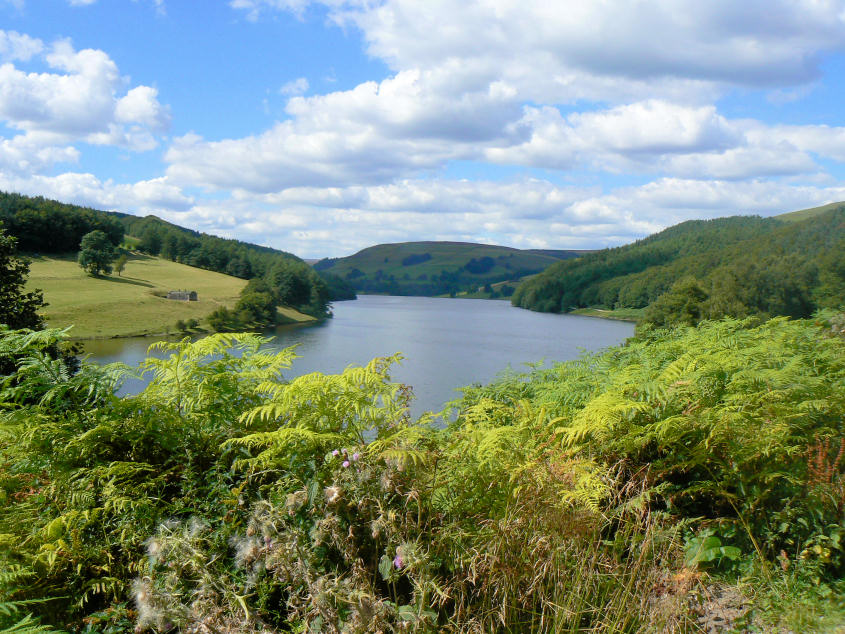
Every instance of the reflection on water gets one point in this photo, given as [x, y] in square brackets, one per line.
[447, 343]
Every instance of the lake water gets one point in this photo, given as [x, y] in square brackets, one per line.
[447, 343]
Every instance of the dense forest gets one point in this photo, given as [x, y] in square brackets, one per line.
[437, 268]
[706, 269]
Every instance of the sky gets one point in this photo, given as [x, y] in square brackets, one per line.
[321, 127]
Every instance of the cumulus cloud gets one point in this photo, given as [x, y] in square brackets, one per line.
[16, 46]
[33, 152]
[484, 80]
[371, 134]
[598, 50]
[77, 98]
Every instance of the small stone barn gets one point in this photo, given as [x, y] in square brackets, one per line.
[185, 296]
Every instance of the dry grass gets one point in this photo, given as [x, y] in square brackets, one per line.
[115, 306]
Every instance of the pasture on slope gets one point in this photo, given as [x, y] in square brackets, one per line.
[127, 305]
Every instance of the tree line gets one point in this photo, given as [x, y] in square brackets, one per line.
[48, 226]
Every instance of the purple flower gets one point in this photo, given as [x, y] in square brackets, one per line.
[345, 463]
[356, 456]
[344, 451]
[397, 561]
[335, 452]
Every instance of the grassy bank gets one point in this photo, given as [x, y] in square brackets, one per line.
[619, 314]
[129, 304]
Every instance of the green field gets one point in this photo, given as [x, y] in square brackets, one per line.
[126, 305]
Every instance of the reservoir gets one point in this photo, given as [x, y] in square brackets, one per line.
[446, 343]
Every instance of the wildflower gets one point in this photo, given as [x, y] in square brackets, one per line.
[345, 464]
[332, 494]
[296, 501]
[398, 560]
[335, 453]
[344, 451]
[149, 613]
[356, 456]
[246, 550]
[153, 549]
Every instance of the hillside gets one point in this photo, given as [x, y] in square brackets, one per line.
[812, 212]
[743, 265]
[129, 304]
[282, 280]
[436, 268]
[233, 257]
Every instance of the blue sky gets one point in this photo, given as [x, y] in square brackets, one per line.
[322, 127]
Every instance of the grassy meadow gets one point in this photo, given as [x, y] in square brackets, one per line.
[127, 305]
[620, 314]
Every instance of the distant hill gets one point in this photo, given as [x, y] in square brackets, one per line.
[742, 265]
[436, 268]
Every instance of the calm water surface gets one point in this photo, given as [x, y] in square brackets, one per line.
[447, 343]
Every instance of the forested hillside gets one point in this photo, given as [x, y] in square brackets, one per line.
[436, 268]
[707, 269]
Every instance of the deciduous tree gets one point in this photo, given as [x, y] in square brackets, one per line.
[96, 253]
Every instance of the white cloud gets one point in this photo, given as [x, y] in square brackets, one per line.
[77, 99]
[295, 87]
[594, 49]
[16, 46]
[371, 134]
[141, 105]
[33, 152]
[316, 222]
[156, 195]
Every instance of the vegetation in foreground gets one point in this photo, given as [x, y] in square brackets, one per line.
[131, 303]
[690, 480]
